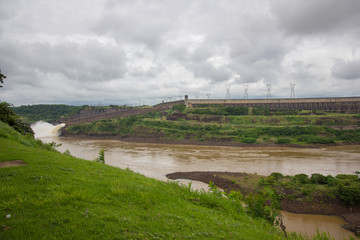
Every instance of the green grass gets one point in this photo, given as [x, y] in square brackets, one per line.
[56, 196]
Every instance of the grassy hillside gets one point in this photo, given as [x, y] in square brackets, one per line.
[57, 196]
[228, 125]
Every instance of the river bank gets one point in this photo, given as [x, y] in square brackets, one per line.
[214, 142]
[318, 205]
[156, 160]
[57, 196]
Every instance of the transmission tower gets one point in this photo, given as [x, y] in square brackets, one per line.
[292, 86]
[268, 95]
[246, 96]
[227, 86]
[208, 95]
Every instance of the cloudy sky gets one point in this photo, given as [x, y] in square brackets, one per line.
[131, 51]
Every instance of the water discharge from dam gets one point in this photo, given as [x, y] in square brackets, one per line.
[45, 129]
[156, 160]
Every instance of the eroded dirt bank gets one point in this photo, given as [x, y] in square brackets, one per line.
[316, 206]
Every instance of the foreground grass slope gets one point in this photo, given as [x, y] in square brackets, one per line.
[56, 196]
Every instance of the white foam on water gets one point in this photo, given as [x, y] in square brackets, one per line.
[45, 129]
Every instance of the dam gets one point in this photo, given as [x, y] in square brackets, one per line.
[336, 104]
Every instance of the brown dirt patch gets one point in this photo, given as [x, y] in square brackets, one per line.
[13, 163]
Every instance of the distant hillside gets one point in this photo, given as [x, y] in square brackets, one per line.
[226, 126]
[46, 112]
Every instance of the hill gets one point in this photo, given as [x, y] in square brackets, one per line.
[227, 125]
[57, 196]
[46, 112]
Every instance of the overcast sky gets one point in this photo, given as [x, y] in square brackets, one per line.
[131, 51]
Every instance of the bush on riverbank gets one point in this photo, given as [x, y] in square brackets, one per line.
[344, 188]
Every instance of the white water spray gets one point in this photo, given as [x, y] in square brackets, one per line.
[45, 129]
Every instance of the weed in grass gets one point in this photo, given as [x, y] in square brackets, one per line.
[101, 157]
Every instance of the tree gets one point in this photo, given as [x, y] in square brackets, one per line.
[8, 116]
[2, 77]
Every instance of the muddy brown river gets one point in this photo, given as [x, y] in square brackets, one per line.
[156, 160]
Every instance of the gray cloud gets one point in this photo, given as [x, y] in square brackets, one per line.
[85, 62]
[147, 49]
[318, 16]
[349, 70]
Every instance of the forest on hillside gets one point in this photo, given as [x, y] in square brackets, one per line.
[46, 112]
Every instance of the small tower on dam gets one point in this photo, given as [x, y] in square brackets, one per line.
[186, 102]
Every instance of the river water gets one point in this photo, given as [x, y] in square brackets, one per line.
[156, 160]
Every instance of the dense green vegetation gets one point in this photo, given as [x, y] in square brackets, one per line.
[9, 117]
[57, 196]
[240, 110]
[46, 112]
[221, 110]
[214, 123]
[282, 129]
[344, 188]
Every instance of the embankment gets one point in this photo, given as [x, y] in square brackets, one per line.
[57, 196]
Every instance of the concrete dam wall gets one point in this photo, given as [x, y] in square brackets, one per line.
[348, 105]
[339, 104]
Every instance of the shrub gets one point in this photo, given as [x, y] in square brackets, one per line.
[259, 110]
[350, 195]
[331, 181]
[291, 131]
[249, 140]
[347, 177]
[101, 157]
[238, 110]
[265, 205]
[350, 136]
[106, 126]
[256, 207]
[315, 139]
[179, 107]
[301, 178]
[318, 178]
[248, 133]
[277, 176]
[283, 141]
[269, 181]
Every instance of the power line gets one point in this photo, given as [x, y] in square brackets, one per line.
[292, 86]
[246, 95]
[227, 86]
[268, 86]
